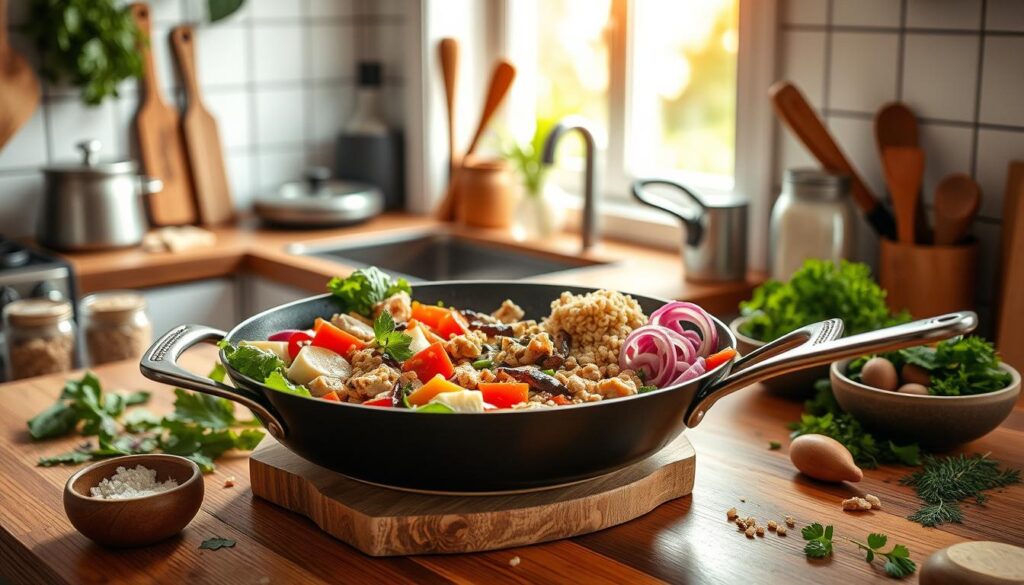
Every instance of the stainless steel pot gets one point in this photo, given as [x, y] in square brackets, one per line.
[320, 202]
[715, 244]
[94, 205]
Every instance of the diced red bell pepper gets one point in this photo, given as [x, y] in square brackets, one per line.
[434, 386]
[504, 395]
[716, 359]
[560, 400]
[328, 336]
[385, 402]
[332, 396]
[429, 314]
[430, 362]
[452, 324]
[297, 341]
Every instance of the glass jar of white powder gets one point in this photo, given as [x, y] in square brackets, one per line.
[812, 218]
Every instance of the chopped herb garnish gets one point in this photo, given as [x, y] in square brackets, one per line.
[548, 372]
[897, 560]
[819, 541]
[217, 543]
[364, 288]
[944, 482]
[646, 388]
[774, 445]
[482, 364]
[394, 343]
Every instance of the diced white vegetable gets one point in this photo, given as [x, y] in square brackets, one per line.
[312, 362]
[419, 341]
[280, 348]
[461, 401]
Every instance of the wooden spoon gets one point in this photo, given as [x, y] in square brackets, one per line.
[501, 80]
[19, 88]
[904, 167]
[449, 52]
[792, 108]
[957, 199]
[896, 125]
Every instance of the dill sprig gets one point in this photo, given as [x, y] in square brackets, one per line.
[943, 482]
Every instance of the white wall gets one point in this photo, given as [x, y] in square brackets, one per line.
[279, 76]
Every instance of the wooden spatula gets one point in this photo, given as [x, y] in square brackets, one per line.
[957, 199]
[792, 108]
[896, 125]
[904, 167]
[19, 88]
[202, 140]
[449, 52]
[501, 80]
[161, 145]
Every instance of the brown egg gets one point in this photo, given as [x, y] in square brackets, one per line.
[915, 374]
[823, 458]
[913, 388]
[879, 372]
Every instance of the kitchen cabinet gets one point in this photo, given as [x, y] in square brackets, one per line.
[212, 301]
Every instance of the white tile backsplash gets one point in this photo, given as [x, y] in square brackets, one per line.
[222, 55]
[863, 70]
[940, 75]
[19, 202]
[167, 11]
[329, 8]
[231, 110]
[71, 122]
[280, 116]
[278, 53]
[947, 150]
[26, 149]
[1002, 81]
[856, 138]
[1004, 15]
[240, 175]
[944, 14]
[880, 13]
[333, 51]
[276, 9]
[996, 148]
[275, 168]
[332, 106]
[803, 62]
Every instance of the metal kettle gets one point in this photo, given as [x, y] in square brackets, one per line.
[715, 239]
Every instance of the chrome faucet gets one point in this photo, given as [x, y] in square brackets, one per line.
[589, 224]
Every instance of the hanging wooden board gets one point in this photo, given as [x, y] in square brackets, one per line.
[1010, 324]
[202, 139]
[386, 522]
[161, 145]
[19, 88]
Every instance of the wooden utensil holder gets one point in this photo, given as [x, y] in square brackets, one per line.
[485, 194]
[928, 280]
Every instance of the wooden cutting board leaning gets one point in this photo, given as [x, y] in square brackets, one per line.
[19, 88]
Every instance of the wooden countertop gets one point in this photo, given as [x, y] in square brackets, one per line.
[686, 540]
[265, 252]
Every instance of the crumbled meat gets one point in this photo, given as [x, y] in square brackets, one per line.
[364, 360]
[469, 377]
[324, 384]
[562, 344]
[509, 312]
[468, 345]
[369, 385]
[356, 327]
[524, 328]
[616, 388]
[398, 304]
[876, 504]
[479, 317]
[514, 353]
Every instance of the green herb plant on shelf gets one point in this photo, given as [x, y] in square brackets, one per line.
[538, 218]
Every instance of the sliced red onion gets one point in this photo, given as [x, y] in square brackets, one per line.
[695, 370]
[283, 335]
[661, 353]
[674, 314]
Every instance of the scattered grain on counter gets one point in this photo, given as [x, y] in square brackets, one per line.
[772, 525]
[731, 513]
[790, 521]
[514, 561]
[229, 482]
[856, 504]
[741, 524]
[749, 531]
[759, 530]
[876, 504]
[751, 521]
[781, 531]
[131, 483]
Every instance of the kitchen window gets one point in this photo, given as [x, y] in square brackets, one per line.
[676, 89]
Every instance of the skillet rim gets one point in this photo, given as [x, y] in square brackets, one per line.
[711, 375]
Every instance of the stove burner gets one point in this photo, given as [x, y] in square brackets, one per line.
[13, 254]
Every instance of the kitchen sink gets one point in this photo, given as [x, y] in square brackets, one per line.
[437, 256]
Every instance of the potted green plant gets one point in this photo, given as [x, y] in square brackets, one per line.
[539, 214]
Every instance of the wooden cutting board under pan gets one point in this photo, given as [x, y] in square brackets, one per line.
[384, 522]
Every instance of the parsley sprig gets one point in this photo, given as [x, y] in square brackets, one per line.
[394, 343]
[897, 560]
[819, 541]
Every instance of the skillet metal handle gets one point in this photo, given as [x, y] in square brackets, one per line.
[689, 216]
[160, 363]
[820, 344]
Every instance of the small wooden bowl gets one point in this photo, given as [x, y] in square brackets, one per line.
[796, 385]
[134, 521]
[937, 422]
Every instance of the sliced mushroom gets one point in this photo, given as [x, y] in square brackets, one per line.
[563, 343]
[537, 380]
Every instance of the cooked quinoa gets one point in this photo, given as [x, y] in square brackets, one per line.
[598, 323]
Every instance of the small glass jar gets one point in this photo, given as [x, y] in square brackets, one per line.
[40, 335]
[116, 326]
[812, 218]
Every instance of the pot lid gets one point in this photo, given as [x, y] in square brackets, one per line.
[91, 165]
[318, 200]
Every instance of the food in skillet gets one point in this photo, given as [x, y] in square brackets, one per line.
[385, 349]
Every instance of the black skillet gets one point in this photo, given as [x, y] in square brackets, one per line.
[506, 450]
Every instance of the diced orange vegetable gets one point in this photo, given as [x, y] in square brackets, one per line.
[316, 324]
[452, 324]
[430, 362]
[385, 402]
[432, 388]
[328, 336]
[429, 314]
[504, 395]
[427, 331]
[716, 359]
[560, 400]
[332, 396]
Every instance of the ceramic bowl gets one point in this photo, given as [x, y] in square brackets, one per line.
[937, 422]
[797, 385]
[134, 521]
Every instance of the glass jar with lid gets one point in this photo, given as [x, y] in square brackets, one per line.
[40, 337]
[116, 326]
[812, 218]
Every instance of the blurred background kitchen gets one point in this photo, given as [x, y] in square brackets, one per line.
[326, 113]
